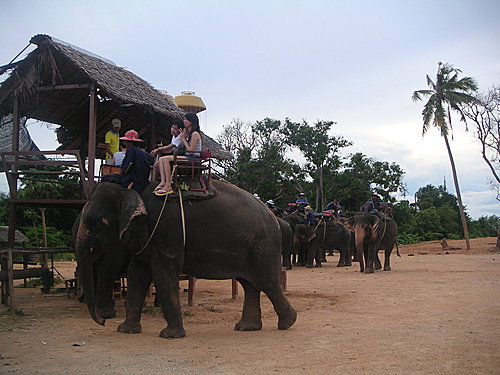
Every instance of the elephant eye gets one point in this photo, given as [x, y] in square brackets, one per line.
[105, 221]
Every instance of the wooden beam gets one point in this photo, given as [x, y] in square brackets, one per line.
[11, 239]
[65, 87]
[92, 137]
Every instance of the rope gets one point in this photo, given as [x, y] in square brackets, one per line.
[156, 225]
[159, 216]
[183, 220]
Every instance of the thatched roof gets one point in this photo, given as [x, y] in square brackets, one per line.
[25, 141]
[121, 94]
[4, 233]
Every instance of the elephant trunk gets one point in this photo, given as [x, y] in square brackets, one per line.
[359, 239]
[86, 274]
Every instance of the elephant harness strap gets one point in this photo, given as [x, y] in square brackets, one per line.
[183, 221]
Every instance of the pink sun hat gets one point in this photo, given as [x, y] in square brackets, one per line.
[131, 136]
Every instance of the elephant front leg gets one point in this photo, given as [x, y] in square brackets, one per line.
[369, 253]
[251, 317]
[138, 281]
[167, 290]
[378, 265]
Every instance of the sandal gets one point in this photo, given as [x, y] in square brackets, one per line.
[162, 192]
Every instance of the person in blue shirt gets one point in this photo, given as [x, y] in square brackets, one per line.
[374, 205]
[136, 166]
[310, 218]
[302, 200]
[334, 206]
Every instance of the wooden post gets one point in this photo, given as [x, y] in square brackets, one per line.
[92, 137]
[11, 239]
[45, 258]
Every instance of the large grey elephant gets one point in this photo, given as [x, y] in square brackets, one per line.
[231, 235]
[371, 234]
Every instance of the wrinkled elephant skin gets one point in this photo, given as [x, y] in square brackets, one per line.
[231, 235]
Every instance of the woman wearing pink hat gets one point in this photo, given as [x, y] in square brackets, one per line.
[136, 166]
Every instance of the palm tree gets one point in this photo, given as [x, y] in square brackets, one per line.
[446, 94]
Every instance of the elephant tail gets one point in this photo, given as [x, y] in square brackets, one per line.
[397, 249]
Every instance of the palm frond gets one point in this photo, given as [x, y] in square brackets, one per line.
[430, 82]
[417, 95]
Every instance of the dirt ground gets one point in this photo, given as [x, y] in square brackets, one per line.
[436, 312]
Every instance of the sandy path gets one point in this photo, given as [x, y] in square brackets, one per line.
[433, 314]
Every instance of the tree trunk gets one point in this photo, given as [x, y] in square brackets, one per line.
[459, 196]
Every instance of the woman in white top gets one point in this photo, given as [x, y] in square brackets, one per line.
[191, 138]
[119, 156]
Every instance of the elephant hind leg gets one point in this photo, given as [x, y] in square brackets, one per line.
[251, 317]
[387, 259]
[286, 313]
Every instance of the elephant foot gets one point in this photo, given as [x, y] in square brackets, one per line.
[378, 267]
[309, 266]
[248, 325]
[369, 270]
[289, 267]
[287, 322]
[387, 268]
[318, 265]
[341, 264]
[348, 264]
[107, 314]
[129, 327]
[172, 333]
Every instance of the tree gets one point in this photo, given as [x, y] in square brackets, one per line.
[361, 175]
[260, 165]
[485, 113]
[320, 150]
[446, 94]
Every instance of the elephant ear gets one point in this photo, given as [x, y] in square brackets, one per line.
[131, 206]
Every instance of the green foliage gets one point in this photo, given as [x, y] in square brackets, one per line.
[261, 164]
[55, 238]
[485, 226]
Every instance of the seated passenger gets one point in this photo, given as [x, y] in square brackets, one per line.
[302, 200]
[270, 204]
[119, 156]
[310, 218]
[136, 166]
[334, 207]
[191, 139]
[374, 205]
[175, 145]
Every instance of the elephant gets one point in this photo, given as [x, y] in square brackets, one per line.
[372, 233]
[230, 235]
[310, 242]
[299, 242]
[286, 243]
[331, 234]
[113, 263]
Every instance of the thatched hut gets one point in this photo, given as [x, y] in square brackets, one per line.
[19, 236]
[81, 92]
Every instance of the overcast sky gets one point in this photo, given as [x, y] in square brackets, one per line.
[353, 62]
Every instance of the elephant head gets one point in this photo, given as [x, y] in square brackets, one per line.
[366, 234]
[110, 225]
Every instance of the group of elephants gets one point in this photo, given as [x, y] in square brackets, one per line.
[232, 235]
